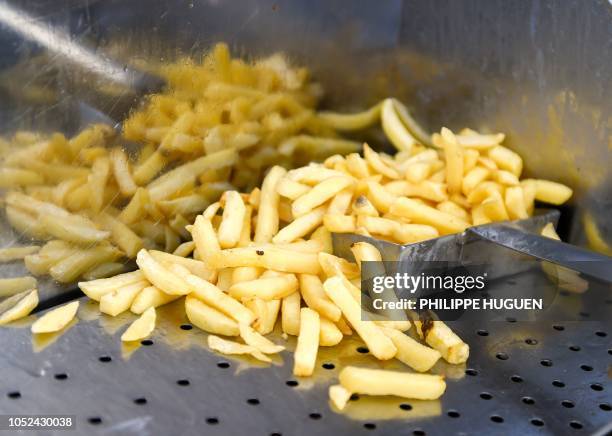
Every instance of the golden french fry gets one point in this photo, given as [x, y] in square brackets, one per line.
[506, 159]
[473, 178]
[300, 227]
[274, 258]
[160, 276]
[380, 197]
[378, 164]
[423, 214]
[150, 297]
[56, 319]
[401, 384]
[411, 233]
[339, 223]
[552, 192]
[104, 270]
[196, 267]
[268, 220]
[208, 319]
[440, 337]
[454, 161]
[233, 218]
[254, 339]
[339, 396]
[18, 306]
[323, 236]
[380, 345]
[291, 189]
[71, 267]
[414, 354]
[185, 249]
[67, 230]
[15, 285]
[494, 208]
[377, 225]
[121, 171]
[330, 334]
[312, 291]
[14, 178]
[10, 254]
[549, 231]
[224, 346]
[95, 289]
[120, 299]
[356, 121]
[394, 128]
[142, 327]
[515, 203]
[266, 288]
[319, 194]
[290, 314]
[334, 265]
[305, 355]
[96, 182]
[121, 235]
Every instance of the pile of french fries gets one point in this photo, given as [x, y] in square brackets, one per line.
[219, 124]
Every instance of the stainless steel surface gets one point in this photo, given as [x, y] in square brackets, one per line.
[176, 386]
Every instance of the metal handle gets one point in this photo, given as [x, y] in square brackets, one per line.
[579, 259]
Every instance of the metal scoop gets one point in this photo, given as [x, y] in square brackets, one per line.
[481, 244]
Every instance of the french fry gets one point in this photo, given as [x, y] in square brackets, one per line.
[423, 214]
[266, 288]
[505, 178]
[290, 314]
[136, 207]
[551, 192]
[340, 203]
[14, 178]
[224, 346]
[440, 337]
[506, 159]
[454, 161]
[330, 334]
[411, 233]
[270, 316]
[379, 344]
[160, 276]
[208, 319]
[121, 235]
[356, 121]
[10, 254]
[216, 298]
[18, 306]
[315, 297]
[268, 221]
[340, 223]
[380, 197]
[291, 189]
[56, 319]
[96, 183]
[494, 208]
[473, 178]
[339, 396]
[417, 356]
[300, 227]
[15, 285]
[149, 297]
[71, 267]
[97, 288]
[377, 225]
[142, 327]
[104, 270]
[334, 265]
[120, 299]
[549, 231]
[393, 127]
[254, 339]
[121, 171]
[319, 194]
[274, 258]
[233, 218]
[401, 384]
[195, 267]
[305, 355]
[185, 249]
[205, 238]
[515, 203]
[323, 236]
[378, 164]
[63, 228]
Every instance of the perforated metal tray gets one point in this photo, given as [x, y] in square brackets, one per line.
[521, 378]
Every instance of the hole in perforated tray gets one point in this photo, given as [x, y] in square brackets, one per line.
[355, 397]
[605, 407]
[546, 362]
[528, 400]
[105, 359]
[586, 368]
[597, 387]
[253, 401]
[405, 406]
[453, 414]
[140, 401]
[575, 425]
[497, 419]
[471, 371]
[363, 350]
[486, 396]
[558, 384]
[183, 382]
[315, 416]
[328, 366]
[516, 378]
[292, 383]
[276, 434]
[186, 326]
[567, 404]
[558, 327]
[502, 356]
[369, 426]
[574, 348]
[14, 395]
[223, 365]
[419, 432]
[584, 314]
[531, 341]
[511, 319]
[146, 342]
[60, 376]
[482, 332]
[94, 420]
[212, 420]
[601, 334]
[537, 422]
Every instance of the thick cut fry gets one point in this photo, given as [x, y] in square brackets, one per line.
[208, 319]
[377, 225]
[494, 208]
[67, 230]
[393, 127]
[340, 223]
[291, 189]
[160, 276]
[185, 249]
[96, 182]
[15, 178]
[378, 164]
[380, 345]
[268, 321]
[142, 327]
[330, 334]
[121, 235]
[473, 178]
[56, 319]
[97, 288]
[290, 314]
[119, 300]
[79, 262]
[104, 270]
[300, 227]
[150, 297]
[551, 192]
[224, 346]
[312, 291]
[12, 286]
[305, 355]
[319, 194]
[506, 159]
[268, 220]
[196, 267]
[136, 207]
[454, 161]
[380, 197]
[414, 354]
[18, 306]
[401, 384]
[363, 206]
[216, 298]
[15, 253]
[324, 237]
[339, 396]
[254, 339]
[423, 214]
[266, 288]
[121, 171]
[233, 218]
[339, 205]
[411, 233]
[274, 258]
[440, 337]
[334, 265]
[356, 121]
[205, 239]
[515, 203]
